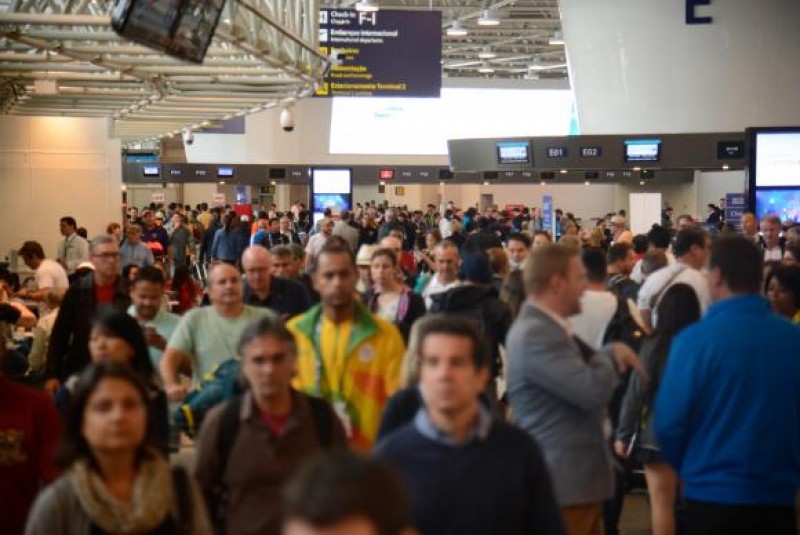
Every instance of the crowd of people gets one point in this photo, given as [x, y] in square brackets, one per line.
[390, 371]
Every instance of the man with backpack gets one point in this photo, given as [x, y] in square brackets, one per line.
[477, 300]
[251, 446]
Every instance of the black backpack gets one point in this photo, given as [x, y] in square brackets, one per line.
[623, 328]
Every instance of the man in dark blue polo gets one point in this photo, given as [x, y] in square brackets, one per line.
[285, 297]
[468, 472]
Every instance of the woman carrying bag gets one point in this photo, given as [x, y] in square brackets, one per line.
[114, 481]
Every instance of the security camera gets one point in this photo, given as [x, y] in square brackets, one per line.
[188, 137]
[287, 120]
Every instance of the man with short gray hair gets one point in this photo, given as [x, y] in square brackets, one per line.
[101, 289]
[133, 251]
[249, 447]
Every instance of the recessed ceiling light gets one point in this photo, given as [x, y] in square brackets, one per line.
[641, 183]
[637, 168]
[487, 53]
[488, 18]
[486, 68]
[367, 6]
[457, 29]
[726, 167]
[563, 171]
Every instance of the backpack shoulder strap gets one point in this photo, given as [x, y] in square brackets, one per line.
[228, 429]
[656, 298]
[322, 417]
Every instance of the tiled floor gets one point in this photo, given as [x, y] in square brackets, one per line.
[635, 515]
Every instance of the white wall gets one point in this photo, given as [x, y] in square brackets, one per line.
[711, 186]
[52, 167]
[637, 67]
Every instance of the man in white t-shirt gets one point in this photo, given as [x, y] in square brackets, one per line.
[691, 252]
[49, 275]
[207, 336]
[598, 305]
[446, 260]
[315, 243]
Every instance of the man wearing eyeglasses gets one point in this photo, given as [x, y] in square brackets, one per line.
[68, 352]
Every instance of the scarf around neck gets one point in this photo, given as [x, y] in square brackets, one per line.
[148, 507]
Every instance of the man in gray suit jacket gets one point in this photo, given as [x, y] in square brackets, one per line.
[559, 387]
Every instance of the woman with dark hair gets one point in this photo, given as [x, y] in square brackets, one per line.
[113, 479]
[389, 297]
[679, 307]
[118, 337]
[184, 289]
[782, 289]
[229, 242]
[130, 272]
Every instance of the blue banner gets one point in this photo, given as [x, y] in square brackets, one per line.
[735, 206]
[547, 215]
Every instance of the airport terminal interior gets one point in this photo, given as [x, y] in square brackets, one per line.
[400, 266]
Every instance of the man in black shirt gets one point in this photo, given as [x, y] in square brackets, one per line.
[285, 297]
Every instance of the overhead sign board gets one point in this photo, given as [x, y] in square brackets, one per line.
[385, 53]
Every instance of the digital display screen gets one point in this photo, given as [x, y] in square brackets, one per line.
[785, 203]
[513, 152]
[778, 159]
[336, 202]
[223, 172]
[331, 181]
[182, 29]
[594, 151]
[730, 150]
[386, 174]
[151, 170]
[642, 150]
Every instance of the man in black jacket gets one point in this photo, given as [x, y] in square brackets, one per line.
[478, 300]
[68, 352]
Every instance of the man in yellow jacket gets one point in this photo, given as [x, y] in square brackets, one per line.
[346, 355]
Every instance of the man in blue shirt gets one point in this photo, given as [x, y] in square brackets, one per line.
[727, 413]
[133, 251]
[468, 472]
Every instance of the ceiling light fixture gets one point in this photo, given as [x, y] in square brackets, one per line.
[558, 38]
[487, 53]
[367, 6]
[488, 18]
[457, 29]
[485, 68]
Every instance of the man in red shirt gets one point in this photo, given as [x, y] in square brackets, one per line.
[29, 429]
[68, 352]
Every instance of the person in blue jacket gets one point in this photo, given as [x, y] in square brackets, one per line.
[727, 413]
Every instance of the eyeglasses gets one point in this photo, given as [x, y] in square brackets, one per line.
[107, 256]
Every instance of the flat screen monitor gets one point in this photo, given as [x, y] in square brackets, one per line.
[642, 150]
[337, 202]
[777, 159]
[513, 152]
[224, 172]
[151, 170]
[331, 181]
[784, 203]
[182, 29]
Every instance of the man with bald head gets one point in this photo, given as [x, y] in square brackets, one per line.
[207, 336]
[283, 296]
